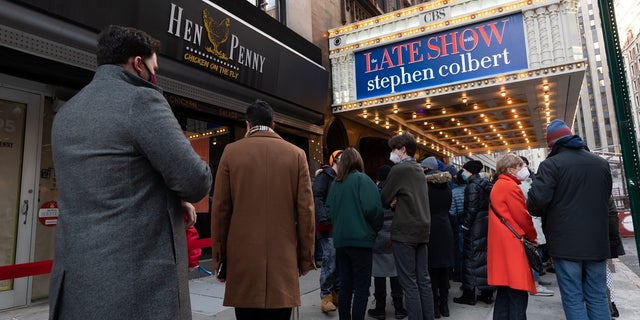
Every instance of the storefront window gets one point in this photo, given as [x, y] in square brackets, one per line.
[274, 8]
[208, 139]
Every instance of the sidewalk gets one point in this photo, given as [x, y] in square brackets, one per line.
[207, 294]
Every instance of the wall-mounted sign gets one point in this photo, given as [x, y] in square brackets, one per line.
[474, 51]
[206, 36]
[48, 214]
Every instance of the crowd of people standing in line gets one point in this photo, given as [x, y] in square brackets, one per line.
[458, 226]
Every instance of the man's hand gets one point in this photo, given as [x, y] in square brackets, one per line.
[190, 211]
[393, 203]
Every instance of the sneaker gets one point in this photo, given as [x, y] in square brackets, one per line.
[543, 291]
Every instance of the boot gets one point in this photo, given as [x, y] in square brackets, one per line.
[334, 297]
[379, 311]
[401, 312]
[327, 305]
[486, 296]
[468, 297]
[444, 306]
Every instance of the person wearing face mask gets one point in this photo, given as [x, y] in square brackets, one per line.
[406, 193]
[507, 265]
[126, 175]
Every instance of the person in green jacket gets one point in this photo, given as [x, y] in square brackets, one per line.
[355, 210]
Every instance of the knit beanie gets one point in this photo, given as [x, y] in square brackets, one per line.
[473, 166]
[555, 130]
[430, 163]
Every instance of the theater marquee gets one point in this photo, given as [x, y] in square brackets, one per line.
[474, 51]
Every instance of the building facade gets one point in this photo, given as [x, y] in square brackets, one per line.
[595, 120]
[216, 58]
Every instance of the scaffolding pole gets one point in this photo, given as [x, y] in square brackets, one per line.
[622, 107]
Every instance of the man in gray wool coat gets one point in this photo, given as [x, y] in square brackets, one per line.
[126, 174]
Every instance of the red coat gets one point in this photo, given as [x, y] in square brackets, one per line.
[507, 263]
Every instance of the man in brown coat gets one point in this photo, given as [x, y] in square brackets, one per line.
[263, 223]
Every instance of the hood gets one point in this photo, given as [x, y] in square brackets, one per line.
[438, 177]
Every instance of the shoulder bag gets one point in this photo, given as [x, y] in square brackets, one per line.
[535, 261]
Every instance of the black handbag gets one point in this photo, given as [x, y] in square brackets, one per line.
[533, 256]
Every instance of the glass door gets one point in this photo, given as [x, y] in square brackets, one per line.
[20, 114]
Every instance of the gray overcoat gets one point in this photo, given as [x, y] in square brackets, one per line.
[122, 166]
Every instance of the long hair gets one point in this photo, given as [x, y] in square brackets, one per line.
[350, 160]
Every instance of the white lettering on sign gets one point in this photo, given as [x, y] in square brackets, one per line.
[245, 56]
[192, 31]
[7, 125]
[48, 213]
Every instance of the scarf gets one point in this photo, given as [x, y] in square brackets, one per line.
[258, 128]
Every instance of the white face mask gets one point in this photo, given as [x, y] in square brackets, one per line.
[523, 174]
[394, 157]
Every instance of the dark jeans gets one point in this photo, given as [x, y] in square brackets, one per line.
[354, 264]
[411, 264]
[380, 285]
[263, 314]
[511, 304]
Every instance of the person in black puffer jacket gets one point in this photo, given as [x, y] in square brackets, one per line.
[441, 241]
[475, 227]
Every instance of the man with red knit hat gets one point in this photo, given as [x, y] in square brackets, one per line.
[571, 193]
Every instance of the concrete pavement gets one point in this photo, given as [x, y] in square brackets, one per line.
[207, 294]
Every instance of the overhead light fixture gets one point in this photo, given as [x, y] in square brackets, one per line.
[364, 114]
[444, 111]
[428, 105]
[377, 120]
[464, 100]
[509, 101]
[503, 93]
[545, 87]
[387, 125]
[395, 109]
[475, 106]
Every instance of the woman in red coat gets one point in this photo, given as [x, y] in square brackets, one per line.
[507, 265]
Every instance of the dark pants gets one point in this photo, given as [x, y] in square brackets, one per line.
[354, 264]
[511, 304]
[263, 314]
[439, 282]
[413, 274]
[380, 285]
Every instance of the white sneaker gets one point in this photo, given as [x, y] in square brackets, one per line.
[543, 291]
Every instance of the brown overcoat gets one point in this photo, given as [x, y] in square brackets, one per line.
[262, 187]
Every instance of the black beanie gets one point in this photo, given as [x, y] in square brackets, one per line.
[473, 166]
